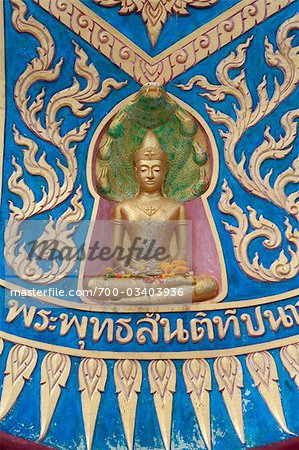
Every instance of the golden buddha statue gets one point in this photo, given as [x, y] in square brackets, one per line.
[151, 217]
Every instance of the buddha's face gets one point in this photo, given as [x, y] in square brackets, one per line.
[150, 174]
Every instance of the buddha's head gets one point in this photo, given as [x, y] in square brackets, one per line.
[150, 164]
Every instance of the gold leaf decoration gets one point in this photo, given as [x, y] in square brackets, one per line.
[55, 371]
[60, 232]
[128, 378]
[289, 356]
[262, 368]
[283, 268]
[92, 381]
[197, 377]
[74, 97]
[154, 13]
[162, 380]
[286, 59]
[229, 376]
[20, 364]
[248, 172]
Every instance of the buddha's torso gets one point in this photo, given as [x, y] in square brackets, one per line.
[139, 209]
[153, 224]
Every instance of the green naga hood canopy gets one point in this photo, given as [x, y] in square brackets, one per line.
[179, 135]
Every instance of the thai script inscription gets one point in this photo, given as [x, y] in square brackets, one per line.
[155, 328]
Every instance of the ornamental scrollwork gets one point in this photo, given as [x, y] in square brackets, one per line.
[175, 60]
[284, 267]
[249, 171]
[155, 13]
[49, 128]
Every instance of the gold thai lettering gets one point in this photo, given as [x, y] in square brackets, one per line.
[98, 329]
[197, 331]
[124, 331]
[223, 328]
[252, 332]
[154, 329]
[153, 332]
[15, 310]
[44, 315]
[180, 333]
[283, 319]
[66, 325]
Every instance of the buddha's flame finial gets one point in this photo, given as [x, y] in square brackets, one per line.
[150, 149]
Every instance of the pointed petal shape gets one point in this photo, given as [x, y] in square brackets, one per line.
[55, 371]
[289, 356]
[197, 377]
[128, 378]
[20, 364]
[229, 376]
[92, 381]
[162, 379]
[262, 368]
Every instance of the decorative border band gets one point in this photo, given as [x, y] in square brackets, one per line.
[162, 375]
[178, 58]
[150, 356]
